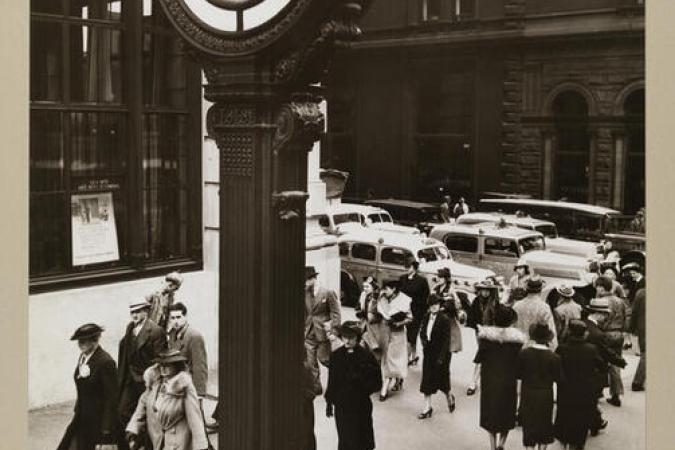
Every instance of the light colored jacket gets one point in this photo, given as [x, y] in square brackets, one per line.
[532, 309]
[170, 413]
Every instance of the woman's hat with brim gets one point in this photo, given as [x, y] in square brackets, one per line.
[535, 284]
[505, 316]
[175, 277]
[87, 331]
[540, 332]
[170, 357]
[444, 272]
[486, 285]
[350, 328]
[565, 290]
[310, 272]
[521, 263]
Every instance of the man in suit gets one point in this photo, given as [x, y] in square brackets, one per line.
[416, 287]
[638, 326]
[138, 349]
[95, 419]
[322, 320]
[190, 342]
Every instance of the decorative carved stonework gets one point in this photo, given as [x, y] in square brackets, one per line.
[299, 123]
[237, 155]
[290, 205]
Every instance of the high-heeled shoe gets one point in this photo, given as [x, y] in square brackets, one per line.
[383, 397]
[426, 414]
[451, 402]
[470, 391]
[398, 386]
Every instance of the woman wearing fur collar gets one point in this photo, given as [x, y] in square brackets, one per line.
[498, 348]
[168, 411]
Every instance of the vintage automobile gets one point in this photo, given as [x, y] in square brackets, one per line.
[382, 255]
[424, 216]
[554, 242]
[344, 217]
[498, 247]
[575, 220]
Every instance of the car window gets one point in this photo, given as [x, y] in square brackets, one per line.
[363, 251]
[396, 256]
[344, 248]
[531, 243]
[461, 243]
[324, 222]
[501, 247]
[588, 225]
[374, 218]
[548, 231]
[386, 217]
[435, 253]
[344, 218]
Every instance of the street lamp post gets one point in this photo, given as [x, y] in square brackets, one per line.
[262, 79]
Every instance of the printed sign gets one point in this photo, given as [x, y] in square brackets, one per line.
[93, 229]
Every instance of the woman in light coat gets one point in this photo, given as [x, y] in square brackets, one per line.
[168, 411]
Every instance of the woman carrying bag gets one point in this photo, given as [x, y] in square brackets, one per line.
[168, 411]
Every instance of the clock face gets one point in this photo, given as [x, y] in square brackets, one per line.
[236, 15]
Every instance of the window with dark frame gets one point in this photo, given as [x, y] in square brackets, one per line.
[115, 108]
[395, 256]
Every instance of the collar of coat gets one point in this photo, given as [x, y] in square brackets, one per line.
[501, 335]
[175, 386]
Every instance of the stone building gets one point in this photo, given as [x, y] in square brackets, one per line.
[514, 96]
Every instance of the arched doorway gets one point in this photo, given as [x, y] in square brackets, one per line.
[571, 168]
[634, 181]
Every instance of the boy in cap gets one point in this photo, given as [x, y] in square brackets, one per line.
[161, 301]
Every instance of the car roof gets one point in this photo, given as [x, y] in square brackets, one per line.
[389, 238]
[510, 218]
[405, 203]
[487, 229]
[346, 208]
[583, 207]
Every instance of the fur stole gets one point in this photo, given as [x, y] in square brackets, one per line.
[499, 335]
[175, 386]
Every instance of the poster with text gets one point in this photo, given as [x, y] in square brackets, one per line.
[93, 229]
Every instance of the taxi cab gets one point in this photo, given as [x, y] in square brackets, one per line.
[345, 217]
[382, 255]
[498, 247]
[554, 242]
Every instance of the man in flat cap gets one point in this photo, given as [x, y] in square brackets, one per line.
[139, 347]
[321, 321]
[161, 301]
[95, 420]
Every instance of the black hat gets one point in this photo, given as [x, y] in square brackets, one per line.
[350, 328]
[170, 356]
[87, 331]
[504, 316]
[444, 272]
[310, 272]
[434, 299]
[540, 332]
[577, 328]
[534, 284]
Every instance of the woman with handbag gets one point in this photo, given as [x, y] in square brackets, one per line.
[394, 307]
[168, 411]
[95, 424]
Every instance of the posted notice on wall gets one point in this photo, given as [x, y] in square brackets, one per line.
[93, 229]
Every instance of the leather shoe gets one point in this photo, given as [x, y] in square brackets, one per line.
[615, 401]
[637, 387]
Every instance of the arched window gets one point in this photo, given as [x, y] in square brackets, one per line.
[571, 168]
[634, 193]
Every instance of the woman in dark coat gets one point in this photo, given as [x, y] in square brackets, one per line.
[538, 368]
[435, 337]
[353, 375]
[481, 312]
[95, 420]
[581, 363]
[498, 348]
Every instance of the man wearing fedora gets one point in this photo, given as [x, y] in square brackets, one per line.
[566, 311]
[139, 347]
[95, 420]
[534, 309]
[322, 318]
[161, 300]
[416, 287]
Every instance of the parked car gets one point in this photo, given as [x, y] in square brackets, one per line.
[424, 216]
[499, 247]
[575, 220]
[344, 217]
[554, 242]
[382, 255]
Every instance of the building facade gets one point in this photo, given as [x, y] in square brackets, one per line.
[463, 97]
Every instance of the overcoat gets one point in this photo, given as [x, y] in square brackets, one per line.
[169, 412]
[576, 399]
[638, 323]
[190, 343]
[436, 363]
[352, 378]
[95, 420]
[497, 355]
[597, 337]
[452, 304]
[417, 288]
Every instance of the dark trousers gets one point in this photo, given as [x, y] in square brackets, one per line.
[596, 414]
[641, 371]
[129, 395]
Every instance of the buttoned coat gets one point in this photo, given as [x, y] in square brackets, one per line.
[95, 420]
[190, 343]
[436, 362]
[170, 413]
[151, 340]
[325, 307]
